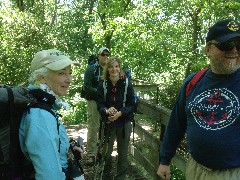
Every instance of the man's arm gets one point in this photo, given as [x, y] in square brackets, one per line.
[174, 133]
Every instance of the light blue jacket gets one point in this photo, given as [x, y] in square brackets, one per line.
[40, 142]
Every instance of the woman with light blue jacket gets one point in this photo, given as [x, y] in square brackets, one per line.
[43, 138]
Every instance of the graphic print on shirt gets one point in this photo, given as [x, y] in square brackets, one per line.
[215, 109]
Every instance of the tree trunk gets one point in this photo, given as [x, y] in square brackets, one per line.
[20, 5]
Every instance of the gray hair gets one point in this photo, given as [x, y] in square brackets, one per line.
[33, 78]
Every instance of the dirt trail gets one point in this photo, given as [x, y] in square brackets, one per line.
[75, 131]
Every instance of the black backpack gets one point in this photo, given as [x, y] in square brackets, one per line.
[13, 102]
[92, 59]
[96, 73]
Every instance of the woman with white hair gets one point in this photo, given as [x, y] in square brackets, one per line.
[43, 138]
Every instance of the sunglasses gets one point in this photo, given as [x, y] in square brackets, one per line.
[227, 46]
[104, 54]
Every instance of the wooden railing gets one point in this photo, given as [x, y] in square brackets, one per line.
[159, 116]
[141, 87]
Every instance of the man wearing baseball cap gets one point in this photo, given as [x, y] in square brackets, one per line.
[92, 78]
[209, 114]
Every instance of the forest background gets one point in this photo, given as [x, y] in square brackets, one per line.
[160, 41]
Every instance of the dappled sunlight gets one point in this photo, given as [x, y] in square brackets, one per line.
[114, 153]
[147, 128]
[75, 131]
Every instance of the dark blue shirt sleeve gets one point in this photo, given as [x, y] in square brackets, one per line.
[176, 128]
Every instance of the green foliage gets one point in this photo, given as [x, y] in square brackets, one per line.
[25, 33]
[169, 92]
[20, 37]
[160, 41]
[176, 174]
[78, 112]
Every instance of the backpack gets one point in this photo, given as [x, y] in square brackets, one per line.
[92, 59]
[96, 73]
[194, 80]
[127, 72]
[124, 97]
[13, 102]
[126, 83]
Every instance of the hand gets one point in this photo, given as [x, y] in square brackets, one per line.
[111, 111]
[164, 172]
[79, 149]
[115, 116]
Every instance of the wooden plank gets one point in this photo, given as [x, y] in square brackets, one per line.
[151, 166]
[160, 115]
[144, 88]
[147, 137]
[144, 162]
[156, 112]
[141, 82]
[140, 86]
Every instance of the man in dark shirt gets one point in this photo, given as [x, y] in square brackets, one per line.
[209, 114]
[91, 80]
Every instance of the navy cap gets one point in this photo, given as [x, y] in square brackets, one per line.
[224, 30]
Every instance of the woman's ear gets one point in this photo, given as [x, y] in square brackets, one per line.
[207, 49]
[42, 79]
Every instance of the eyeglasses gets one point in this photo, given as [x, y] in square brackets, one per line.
[104, 54]
[227, 46]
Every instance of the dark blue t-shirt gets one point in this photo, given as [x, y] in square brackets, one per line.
[210, 117]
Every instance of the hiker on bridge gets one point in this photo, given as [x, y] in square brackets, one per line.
[116, 105]
[209, 114]
[43, 137]
[92, 78]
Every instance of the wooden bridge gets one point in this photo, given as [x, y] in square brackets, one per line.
[150, 123]
[147, 139]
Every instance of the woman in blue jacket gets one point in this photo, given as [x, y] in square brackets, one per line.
[116, 105]
[43, 138]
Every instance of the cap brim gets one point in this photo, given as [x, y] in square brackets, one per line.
[102, 50]
[227, 37]
[61, 64]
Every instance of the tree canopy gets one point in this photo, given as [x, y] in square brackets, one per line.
[161, 41]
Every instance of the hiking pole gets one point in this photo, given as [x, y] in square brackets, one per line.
[102, 151]
[133, 127]
[77, 156]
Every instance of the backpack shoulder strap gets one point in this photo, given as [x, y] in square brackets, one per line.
[105, 89]
[13, 126]
[42, 106]
[97, 71]
[194, 80]
[125, 92]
